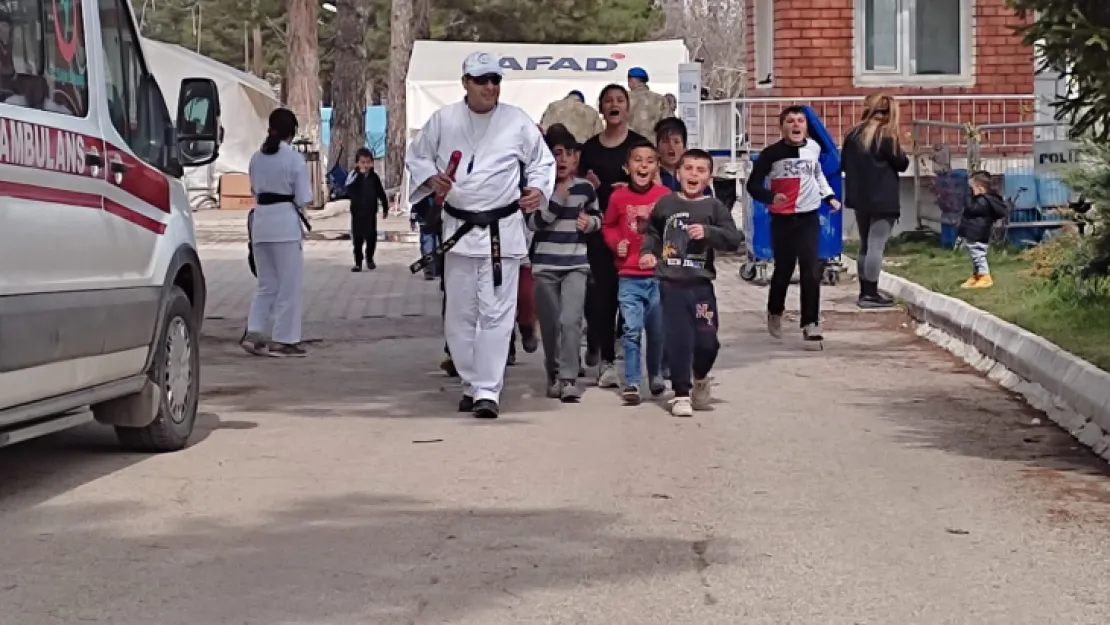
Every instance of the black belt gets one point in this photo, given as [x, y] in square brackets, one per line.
[471, 220]
[266, 199]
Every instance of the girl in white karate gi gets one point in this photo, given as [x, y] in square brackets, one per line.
[281, 188]
[494, 141]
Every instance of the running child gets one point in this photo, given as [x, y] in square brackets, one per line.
[983, 208]
[561, 267]
[798, 187]
[623, 227]
[684, 232]
[671, 137]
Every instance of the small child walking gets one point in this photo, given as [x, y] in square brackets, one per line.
[623, 227]
[798, 188]
[365, 190]
[983, 208]
[560, 266]
[684, 232]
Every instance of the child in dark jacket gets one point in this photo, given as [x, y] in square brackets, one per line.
[365, 191]
[984, 207]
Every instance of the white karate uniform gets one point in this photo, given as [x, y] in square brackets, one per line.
[277, 237]
[479, 318]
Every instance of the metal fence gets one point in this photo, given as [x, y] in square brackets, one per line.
[945, 153]
[750, 124]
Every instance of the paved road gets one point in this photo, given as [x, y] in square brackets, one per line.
[877, 482]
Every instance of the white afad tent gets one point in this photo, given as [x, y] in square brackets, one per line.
[245, 105]
[535, 74]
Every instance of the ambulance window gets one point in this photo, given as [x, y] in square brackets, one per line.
[42, 56]
[127, 81]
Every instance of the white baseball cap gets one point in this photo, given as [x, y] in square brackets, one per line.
[482, 64]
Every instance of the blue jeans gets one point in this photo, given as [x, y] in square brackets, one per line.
[428, 242]
[639, 304]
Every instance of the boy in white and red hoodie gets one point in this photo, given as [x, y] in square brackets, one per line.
[625, 221]
[798, 187]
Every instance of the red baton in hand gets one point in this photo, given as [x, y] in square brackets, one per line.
[452, 167]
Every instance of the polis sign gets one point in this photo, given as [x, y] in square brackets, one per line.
[1049, 155]
[557, 64]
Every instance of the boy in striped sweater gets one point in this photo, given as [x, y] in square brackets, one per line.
[560, 266]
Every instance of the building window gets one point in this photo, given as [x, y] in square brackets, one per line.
[764, 47]
[911, 42]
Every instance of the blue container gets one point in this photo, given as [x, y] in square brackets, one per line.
[952, 192]
[1052, 192]
[1016, 179]
[948, 236]
[831, 243]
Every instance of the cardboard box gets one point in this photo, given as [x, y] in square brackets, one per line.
[235, 192]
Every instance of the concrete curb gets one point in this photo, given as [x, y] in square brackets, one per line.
[1071, 391]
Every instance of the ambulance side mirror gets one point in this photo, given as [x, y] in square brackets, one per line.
[199, 133]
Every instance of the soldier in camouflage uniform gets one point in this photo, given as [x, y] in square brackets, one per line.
[581, 119]
[645, 107]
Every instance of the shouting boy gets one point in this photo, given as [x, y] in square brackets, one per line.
[623, 227]
[365, 191]
[560, 266]
[684, 232]
[798, 187]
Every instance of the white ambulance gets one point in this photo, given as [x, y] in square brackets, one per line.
[101, 290]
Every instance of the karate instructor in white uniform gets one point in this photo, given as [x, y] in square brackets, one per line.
[483, 228]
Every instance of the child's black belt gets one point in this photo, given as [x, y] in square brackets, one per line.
[266, 199]
[470, 220]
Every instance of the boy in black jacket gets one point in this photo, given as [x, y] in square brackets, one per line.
[365, 191]
[983, 208]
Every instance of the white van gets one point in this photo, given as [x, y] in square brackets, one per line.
[101, 290]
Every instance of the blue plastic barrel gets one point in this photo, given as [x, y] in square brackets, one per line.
[1052, 192]
[952, 192]
[1013, 181]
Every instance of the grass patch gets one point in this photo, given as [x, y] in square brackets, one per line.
[1022, 294]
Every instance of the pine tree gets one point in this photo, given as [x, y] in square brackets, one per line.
[1074, 38]
[349, 78]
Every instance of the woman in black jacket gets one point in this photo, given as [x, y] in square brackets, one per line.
[872, 159]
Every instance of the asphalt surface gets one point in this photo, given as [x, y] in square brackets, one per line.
[876, 482]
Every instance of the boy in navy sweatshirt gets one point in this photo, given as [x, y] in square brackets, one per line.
[798, 187]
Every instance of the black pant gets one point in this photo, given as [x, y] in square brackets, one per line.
[794, 240]
[601, 302]
[691, 335]
[364, 233]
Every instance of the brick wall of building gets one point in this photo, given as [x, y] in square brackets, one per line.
[814, 48]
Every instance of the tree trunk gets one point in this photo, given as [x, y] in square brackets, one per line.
[401, 24]
[422, 20]
[348, 122]
[302, 69]
[256, 59]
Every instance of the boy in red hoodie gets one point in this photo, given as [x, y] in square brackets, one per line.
[638, 290]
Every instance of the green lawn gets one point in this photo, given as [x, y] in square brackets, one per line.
[1017, 296]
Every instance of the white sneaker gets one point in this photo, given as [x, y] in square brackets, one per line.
[681, 407]
[608, 376]
[701, 395]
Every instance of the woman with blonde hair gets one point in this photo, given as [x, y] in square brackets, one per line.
[872, 159]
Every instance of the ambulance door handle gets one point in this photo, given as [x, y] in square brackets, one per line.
[94, 161]
[118, 168]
